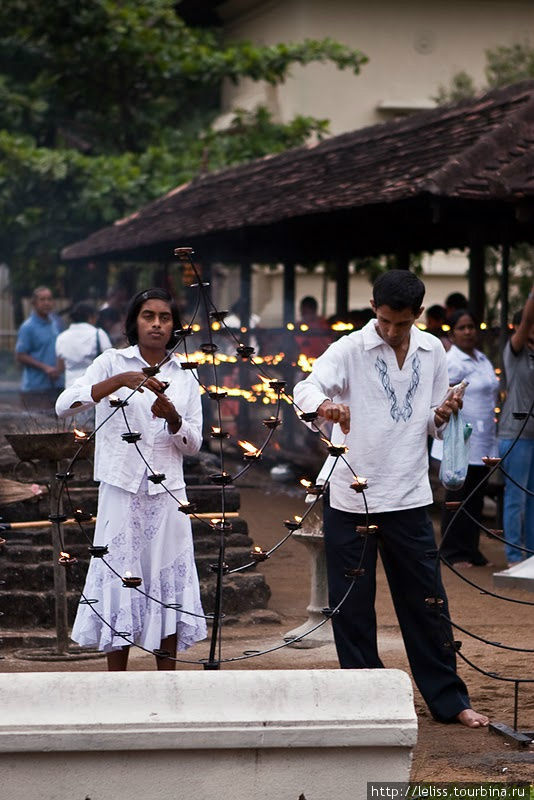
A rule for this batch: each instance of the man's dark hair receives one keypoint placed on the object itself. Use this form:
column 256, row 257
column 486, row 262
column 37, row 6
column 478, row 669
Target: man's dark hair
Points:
column 82, row 311
column 136, row 303
column 436, row 312
column 309, row 302
column 456, row 301
column 399, row 289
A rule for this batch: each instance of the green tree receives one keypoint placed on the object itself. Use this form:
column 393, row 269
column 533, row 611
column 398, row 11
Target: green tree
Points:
column 107, row 104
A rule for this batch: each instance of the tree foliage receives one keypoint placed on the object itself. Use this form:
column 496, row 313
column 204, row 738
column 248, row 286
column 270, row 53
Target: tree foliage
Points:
column 106, row 104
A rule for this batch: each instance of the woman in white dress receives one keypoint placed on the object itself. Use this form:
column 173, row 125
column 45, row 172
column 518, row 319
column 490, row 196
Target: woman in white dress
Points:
column 140, row 522
column 465, row 362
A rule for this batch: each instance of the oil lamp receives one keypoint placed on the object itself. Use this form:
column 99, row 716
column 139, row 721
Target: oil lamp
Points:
column 209, row 348
column 218, row 433
column 65, row 559
column 98, row 550
column 258, row 554
column 250, row 453
column 131, row 582
column 359, row 484
column 364, row 529
column 491, row 461
column 82, row 516
column 293, row 524
column 131, row 437
column 157, row 477
column 221, row 478
column 272, row 422
column 244, row 351
column 189, row 364
column 312, row 488
column 116, row 402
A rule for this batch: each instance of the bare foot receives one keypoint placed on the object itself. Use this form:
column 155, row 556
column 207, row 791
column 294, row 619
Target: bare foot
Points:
column 472, row 719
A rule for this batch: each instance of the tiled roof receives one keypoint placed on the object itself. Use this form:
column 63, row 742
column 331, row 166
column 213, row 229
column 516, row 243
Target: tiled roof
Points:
column 478, row 149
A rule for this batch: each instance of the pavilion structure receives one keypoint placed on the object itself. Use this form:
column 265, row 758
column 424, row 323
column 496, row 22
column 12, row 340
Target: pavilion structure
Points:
column 459, row 176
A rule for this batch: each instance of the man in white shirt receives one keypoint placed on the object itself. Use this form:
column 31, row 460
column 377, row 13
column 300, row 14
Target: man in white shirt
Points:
column 81, row 343
column 385, row 388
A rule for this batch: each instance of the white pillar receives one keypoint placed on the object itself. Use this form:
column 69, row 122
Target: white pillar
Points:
column 313, row 540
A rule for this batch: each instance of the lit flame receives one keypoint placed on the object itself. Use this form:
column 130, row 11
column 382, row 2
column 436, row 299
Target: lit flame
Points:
column 79, row 434
column 342, row 326
column 304, row 327
column 359, row 479
column 257, row 549
column 305, row 483
column 290, row 326
column 243, row 329
column 64, row 555
column 297, row 519
column 110, row 397
column 215, row 326
column 497, row 410
column 196, row 328
column 421, row 326
column 498, row 371
column 248, row 448
column 483, row 326
column 445, row 328
column 215, row 430
column 127, row 574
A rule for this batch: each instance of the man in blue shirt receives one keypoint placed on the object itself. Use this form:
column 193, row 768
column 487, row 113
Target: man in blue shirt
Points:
column 42, row 377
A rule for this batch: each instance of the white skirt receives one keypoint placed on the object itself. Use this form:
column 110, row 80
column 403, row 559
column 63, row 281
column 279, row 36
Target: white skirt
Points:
column 150, row 538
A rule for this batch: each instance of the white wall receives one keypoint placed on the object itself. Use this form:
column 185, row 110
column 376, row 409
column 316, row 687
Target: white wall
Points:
column 413, row 47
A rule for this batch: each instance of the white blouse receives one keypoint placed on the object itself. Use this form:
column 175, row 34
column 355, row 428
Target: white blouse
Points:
column 116, row 461
column 479, row 402
column 392, row 413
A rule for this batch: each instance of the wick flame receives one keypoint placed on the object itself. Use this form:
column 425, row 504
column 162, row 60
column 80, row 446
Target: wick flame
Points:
column 79, row 434
column 257, row 549
column 248, row 448
column 297, row 519
column 306, row 483
column 127, row 574
column 64, row 555
column 215, row 430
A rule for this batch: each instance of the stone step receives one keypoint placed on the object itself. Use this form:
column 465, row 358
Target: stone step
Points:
column 39, row 576
column 23, row 609
column 23, row 552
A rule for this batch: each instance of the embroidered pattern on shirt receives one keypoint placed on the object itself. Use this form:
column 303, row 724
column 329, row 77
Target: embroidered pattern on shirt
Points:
column 405, row 411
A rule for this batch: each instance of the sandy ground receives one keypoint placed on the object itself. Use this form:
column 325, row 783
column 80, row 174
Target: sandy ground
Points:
column 443, row 752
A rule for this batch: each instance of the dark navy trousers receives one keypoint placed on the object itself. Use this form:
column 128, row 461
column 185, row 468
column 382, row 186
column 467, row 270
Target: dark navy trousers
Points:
column 407, row 547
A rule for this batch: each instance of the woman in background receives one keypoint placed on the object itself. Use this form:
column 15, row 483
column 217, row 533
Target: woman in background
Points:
column 460, row 545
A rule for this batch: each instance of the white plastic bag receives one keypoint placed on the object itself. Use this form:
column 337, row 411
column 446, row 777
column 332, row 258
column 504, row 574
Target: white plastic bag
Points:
column 455, row 460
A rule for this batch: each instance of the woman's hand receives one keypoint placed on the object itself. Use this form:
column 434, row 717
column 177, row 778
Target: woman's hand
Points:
column 139, row 381
column 163, row 408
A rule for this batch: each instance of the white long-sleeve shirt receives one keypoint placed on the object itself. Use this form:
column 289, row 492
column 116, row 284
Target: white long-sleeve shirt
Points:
column 116, row 461
column 392, row 413
column 480, row 399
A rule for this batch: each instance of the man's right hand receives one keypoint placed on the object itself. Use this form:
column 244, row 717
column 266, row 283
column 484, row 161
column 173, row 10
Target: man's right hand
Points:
column 336, row 412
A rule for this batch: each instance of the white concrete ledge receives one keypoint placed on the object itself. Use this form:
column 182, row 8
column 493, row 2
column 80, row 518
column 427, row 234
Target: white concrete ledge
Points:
column 91, row 721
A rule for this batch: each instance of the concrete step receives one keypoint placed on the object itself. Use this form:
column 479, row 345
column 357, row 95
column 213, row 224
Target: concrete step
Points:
column 24, row 609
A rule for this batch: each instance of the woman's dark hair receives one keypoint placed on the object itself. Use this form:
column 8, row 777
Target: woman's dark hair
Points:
column 456, row 316
column 399, row 289
column 82, row 311
column 136, row 303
